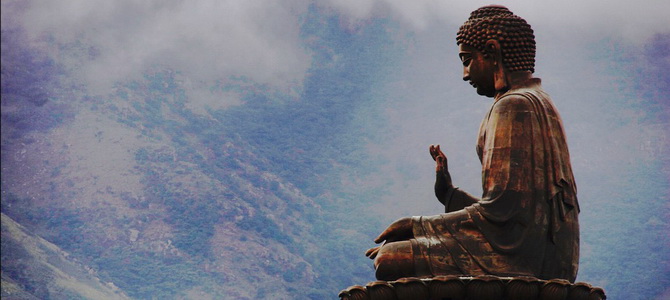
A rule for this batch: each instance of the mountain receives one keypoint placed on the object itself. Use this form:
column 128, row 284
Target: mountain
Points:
column 166, row 203
column 263, row 199
column 33, row 268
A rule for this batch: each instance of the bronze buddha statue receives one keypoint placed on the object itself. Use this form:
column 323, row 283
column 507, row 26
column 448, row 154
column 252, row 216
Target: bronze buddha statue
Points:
column 526, row 222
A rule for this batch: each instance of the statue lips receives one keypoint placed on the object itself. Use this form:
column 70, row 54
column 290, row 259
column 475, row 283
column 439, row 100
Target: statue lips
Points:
column 479, row 92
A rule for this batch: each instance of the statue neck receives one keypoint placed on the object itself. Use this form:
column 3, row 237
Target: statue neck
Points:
column 516, row 80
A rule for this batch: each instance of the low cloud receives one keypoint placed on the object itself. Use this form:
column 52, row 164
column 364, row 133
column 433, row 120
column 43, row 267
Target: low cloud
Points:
column 107, row 41
column 630, row 21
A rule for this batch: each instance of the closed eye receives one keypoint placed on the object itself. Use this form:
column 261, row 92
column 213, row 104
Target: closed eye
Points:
column 465, row 58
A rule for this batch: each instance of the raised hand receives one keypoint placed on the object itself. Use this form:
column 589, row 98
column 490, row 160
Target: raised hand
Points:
column 439, row 158
column 443, row 178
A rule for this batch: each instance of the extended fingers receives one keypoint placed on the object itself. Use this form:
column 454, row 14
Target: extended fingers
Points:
column 401, row 229
column 389, row 234
column 440, row 155
column 383, row 236
column 372, row 252
column 435, row 151
column 438, row 151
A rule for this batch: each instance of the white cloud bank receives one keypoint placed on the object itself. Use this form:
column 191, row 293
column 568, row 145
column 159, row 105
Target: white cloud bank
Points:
column 632, row 21
column 205, row 40
column 260, row 40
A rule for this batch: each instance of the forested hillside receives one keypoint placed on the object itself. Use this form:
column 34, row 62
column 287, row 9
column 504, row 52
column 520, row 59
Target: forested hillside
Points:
column 243, row 202
column 33, row 268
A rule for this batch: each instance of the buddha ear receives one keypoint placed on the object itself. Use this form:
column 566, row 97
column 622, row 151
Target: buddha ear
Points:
column 494, row 51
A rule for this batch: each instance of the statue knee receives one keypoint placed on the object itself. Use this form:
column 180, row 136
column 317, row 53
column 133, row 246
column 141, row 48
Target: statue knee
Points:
column 394, row 260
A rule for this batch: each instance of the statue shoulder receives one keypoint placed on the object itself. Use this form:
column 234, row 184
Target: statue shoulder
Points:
column 513, row 102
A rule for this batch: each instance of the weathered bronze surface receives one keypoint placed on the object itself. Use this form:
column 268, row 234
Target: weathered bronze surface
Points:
column 525, row 223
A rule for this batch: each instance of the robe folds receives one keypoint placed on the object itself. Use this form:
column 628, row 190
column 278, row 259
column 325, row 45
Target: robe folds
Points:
column 525, row 223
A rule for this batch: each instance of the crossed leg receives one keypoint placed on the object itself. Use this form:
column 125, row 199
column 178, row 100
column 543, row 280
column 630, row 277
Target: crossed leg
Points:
column 400, row 259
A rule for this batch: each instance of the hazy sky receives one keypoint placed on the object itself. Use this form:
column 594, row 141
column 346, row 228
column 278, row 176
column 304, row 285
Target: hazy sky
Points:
column 605, row 64
column 261, row 39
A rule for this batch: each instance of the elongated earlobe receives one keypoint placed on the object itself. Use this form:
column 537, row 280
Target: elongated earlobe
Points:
column 499, row 78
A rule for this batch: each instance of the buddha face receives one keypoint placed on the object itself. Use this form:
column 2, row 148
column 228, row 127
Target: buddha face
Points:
column 478, row 70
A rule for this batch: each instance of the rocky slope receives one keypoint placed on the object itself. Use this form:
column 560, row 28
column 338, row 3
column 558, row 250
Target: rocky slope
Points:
column 33, row 268
column 167, row 201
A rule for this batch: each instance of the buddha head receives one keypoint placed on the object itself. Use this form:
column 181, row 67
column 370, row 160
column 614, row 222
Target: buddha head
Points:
column 494, row 42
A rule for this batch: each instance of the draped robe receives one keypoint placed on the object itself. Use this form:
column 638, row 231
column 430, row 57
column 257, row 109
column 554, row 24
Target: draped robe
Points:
column 526, row 222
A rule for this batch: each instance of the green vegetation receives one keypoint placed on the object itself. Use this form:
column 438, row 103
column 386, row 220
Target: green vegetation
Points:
column 261, row 168
column 149, row 276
